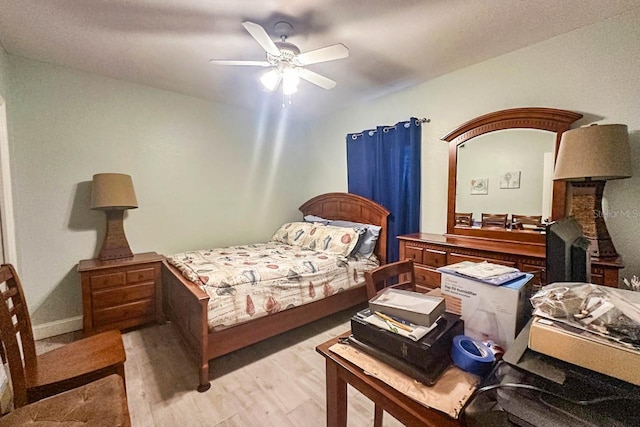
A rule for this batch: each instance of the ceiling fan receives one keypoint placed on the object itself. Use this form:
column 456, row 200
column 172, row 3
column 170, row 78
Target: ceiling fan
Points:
column 286, row 62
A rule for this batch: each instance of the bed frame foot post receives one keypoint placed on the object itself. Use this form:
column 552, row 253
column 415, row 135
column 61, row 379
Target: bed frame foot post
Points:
column 204, row 378
column 204, row 387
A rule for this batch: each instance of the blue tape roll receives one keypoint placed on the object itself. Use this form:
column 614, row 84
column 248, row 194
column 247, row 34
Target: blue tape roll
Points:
column 471, row 356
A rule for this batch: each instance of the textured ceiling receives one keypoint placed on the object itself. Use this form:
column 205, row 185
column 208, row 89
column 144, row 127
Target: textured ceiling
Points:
column 394, row 44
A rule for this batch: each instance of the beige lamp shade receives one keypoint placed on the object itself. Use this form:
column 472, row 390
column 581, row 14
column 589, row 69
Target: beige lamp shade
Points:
column 113, row 191
column 597, row 152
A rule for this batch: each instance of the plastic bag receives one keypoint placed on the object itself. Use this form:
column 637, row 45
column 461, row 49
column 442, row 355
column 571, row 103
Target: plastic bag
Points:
column 611, row 312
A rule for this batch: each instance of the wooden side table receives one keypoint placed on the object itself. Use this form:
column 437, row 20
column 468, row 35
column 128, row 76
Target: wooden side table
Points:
column 340, row 372
column 120, row 294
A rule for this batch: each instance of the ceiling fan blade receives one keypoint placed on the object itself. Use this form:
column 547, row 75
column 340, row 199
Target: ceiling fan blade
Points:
column 324, row 54
column 249, row 63
column 261, row 36
column 316, row 79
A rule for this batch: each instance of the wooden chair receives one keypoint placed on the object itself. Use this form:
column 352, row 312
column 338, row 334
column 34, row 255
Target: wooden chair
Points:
column 102, row 403
column 494, row 220
column 464, row 219
column 397, row 275
column 519, row 221
column 59, row 370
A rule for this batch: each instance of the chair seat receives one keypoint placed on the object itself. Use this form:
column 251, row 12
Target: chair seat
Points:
column 76, row 364
column 100, row 403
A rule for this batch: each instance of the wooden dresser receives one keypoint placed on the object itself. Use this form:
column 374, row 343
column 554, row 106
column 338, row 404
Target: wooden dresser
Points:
column 430, row 251
column 119, row 294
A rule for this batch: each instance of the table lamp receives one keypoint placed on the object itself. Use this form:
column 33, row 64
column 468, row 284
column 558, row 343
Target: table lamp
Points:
column 113, row 193
column 588, row 157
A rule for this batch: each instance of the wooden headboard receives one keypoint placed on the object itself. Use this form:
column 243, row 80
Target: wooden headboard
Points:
column 350, row 207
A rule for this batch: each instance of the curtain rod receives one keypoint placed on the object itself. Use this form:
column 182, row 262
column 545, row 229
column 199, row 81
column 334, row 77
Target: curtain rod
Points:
column 388, row 128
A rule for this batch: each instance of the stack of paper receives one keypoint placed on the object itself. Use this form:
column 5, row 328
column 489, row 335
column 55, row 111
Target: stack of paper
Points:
column 486, row 272
column 413, row 307
column 412, row 331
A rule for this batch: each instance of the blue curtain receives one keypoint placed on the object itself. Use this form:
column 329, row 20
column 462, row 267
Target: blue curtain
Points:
column 383, row 165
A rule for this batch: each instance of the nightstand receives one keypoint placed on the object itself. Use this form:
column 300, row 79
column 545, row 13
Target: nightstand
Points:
column 121, row 293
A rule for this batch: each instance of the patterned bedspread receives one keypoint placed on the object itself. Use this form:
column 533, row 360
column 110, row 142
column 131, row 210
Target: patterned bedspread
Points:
column 246, row 282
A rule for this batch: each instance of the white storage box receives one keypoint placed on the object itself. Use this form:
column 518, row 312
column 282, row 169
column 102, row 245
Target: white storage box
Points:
column 417, row 308
column 489, row 312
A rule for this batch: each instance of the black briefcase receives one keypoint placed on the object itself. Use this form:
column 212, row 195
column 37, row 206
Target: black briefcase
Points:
column 426, row 354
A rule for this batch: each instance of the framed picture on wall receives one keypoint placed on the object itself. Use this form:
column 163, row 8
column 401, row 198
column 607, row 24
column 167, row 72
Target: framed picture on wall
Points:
column 480, row 186
column 510, row 180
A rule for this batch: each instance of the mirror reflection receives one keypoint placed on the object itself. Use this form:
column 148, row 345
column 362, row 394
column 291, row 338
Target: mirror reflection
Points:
column 505, row 172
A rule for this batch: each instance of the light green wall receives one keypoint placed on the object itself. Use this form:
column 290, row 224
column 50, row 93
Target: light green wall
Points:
column 204, row 174
column 4, row 71
column 593, row 70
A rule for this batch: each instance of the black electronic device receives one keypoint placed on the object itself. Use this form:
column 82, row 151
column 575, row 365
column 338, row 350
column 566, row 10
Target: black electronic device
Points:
column 426, row 353
column 567, row 252
column 428, row 378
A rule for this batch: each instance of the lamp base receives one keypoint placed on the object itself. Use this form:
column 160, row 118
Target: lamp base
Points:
column 586, row 207
column 115, row 245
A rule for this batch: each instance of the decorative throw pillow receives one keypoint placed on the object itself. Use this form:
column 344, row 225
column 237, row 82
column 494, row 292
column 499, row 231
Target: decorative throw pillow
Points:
column 293, row 233
column 334, row 240
column 367, row 243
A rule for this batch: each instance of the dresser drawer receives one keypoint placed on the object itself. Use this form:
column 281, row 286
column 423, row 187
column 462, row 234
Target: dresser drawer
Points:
column 413, row 253
column 107, row 280
column 118, row 296
column 145, row 308
column 434, row 258
column 141, row 275
column 426, row 277
column 455, row 258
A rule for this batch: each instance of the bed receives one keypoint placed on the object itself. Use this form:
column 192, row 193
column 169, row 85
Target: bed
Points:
column 186, row 304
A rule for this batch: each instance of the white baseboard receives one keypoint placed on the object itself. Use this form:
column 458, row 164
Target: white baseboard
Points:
column 58, row 327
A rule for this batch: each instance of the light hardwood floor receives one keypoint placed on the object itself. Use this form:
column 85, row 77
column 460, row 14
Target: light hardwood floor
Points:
column 278, row 382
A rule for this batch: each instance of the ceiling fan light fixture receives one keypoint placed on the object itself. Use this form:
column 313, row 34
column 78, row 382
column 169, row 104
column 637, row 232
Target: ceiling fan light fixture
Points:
column 286, row 61
column 271, row 79
column 290, row 81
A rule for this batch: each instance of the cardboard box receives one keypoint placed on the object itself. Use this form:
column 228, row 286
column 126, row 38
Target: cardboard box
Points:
column 496, row 313
column 584, row 349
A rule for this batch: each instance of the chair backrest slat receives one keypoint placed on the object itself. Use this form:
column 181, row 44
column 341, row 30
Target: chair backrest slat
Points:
column 5, row 275
column 15, row 310
column 9, row 293
column 398, row 275
column 494, row 220
column 16, row 335
column 465, row 218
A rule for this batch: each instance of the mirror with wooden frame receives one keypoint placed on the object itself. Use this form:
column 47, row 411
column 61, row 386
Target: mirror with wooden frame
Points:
column 487, row 156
